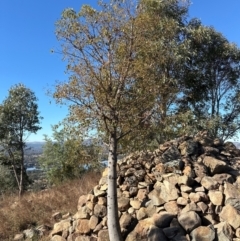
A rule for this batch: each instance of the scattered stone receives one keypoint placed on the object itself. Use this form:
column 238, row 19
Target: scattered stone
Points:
column 203, row 234
column 136, row 204
column 19, row 237
column 93, row 222
column 83, row 226
column 231, row 216
column 57, row 238
column 156, row 234
column 154, row 195
column 103, row 235
column 223, row 231
column 123, row 204
column 141, row 214
column 60, row 227
column 182, row 201
column 172, row 207
column 209, row 183
column 125, row 220
column 100, row 210
column 189, row 220
column 216, row 197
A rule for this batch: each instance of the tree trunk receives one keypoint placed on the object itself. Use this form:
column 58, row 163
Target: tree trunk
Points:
column 18, row 179
column 20, row 192
column 21, row 172
column 15, row 174
column 112, row 205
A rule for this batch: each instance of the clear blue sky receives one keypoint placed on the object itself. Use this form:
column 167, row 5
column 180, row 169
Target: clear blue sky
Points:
column 27, row 36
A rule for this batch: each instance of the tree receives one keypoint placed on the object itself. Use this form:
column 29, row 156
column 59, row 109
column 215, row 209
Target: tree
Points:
column 19, row 117
column 107, row 90
column 161, row 56
column 65, row 156
column 127, row 64
column 165, row 28
column 212, row 67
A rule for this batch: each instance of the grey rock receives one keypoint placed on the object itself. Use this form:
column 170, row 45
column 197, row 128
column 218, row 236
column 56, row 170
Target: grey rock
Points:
column 171, row 232
column 154, row 195
column 224, row 231
column 171, row 154
column 156, row 234
column 189, row 220
column 189, row 147
column 200, row 170
column 209, row 183
column 169, row 192
column 215, row 166
column 232, row 195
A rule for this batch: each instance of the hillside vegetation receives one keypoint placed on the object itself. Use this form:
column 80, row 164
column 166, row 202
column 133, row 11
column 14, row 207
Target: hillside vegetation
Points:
column 139, row 73
column 37, row 208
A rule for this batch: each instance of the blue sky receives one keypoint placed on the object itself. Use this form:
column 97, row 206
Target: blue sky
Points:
column 27, row 36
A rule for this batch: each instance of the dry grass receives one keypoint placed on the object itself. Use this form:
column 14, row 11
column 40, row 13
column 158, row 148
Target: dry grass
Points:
column 36, row 208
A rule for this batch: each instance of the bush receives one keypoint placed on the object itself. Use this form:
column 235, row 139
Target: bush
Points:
column 7, row 180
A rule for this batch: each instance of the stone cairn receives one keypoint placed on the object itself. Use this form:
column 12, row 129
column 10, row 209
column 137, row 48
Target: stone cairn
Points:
column 187, row 189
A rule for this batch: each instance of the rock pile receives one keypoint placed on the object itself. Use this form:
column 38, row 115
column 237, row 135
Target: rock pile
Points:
column 187, row 189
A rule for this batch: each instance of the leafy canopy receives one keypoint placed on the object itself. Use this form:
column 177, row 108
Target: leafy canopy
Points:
column 66, row 155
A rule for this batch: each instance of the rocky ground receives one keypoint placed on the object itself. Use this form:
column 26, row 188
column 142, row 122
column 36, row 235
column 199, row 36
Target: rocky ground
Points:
column 187, row 189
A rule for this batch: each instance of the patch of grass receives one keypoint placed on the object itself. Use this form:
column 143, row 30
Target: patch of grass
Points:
column 37, row 208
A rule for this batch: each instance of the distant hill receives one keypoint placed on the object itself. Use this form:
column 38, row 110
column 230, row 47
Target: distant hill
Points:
column 37, row 146
column 33, row 147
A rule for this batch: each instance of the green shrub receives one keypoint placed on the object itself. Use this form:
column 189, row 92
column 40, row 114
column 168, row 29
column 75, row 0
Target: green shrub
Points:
column 7, row 180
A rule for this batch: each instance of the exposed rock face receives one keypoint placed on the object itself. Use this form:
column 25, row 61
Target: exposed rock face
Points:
column 187, row 189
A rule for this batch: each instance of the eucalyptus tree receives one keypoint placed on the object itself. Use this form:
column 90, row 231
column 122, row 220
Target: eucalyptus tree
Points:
column 211, row 80
column 164, row 50
column 107, row 92
column 19, row 117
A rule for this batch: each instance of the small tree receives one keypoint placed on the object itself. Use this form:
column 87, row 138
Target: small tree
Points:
column 65, row 155
column 107, row 90
column 19, row 117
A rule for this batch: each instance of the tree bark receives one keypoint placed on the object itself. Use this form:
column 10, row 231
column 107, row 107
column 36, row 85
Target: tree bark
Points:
column 112, row 207
column 21, row 182
column 21, row 171
column 18, row 180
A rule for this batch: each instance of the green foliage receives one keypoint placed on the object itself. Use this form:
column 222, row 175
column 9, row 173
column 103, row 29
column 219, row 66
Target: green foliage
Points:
column 211, row 80
column 196, row 72
column 19, row 113
column 19, row 117
column 7, row 181
column 65, row 156
column 162, row 52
